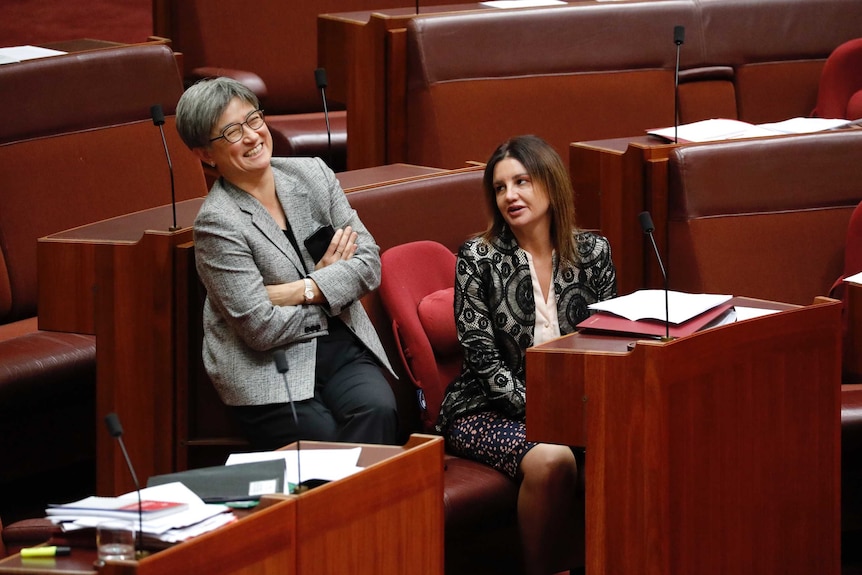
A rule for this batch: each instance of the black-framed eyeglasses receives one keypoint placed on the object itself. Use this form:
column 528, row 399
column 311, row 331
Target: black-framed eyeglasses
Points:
column 233, row 132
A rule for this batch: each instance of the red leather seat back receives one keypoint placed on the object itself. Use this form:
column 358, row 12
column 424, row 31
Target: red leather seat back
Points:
column 840, row 91
column 411, row 273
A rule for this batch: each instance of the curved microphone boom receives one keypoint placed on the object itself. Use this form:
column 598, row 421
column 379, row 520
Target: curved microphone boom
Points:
column 320, row 79
column 112, row 422
column 678, row 39
column 159, row 120
column 280, row 358
column 648, row 228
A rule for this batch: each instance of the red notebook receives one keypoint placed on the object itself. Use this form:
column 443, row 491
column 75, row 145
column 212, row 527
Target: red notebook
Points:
column 607, row 322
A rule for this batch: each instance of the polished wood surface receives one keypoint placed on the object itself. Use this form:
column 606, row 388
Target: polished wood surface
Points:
column 714, row 453
column 374, row 522
column 353, row 180
column 385, row 520
column 67, row 261
column 615, row 180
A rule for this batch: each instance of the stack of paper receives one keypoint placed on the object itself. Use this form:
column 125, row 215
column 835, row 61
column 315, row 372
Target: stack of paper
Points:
column 643, row 313
column 723, row 129
column 180, row 514
column 321, row 464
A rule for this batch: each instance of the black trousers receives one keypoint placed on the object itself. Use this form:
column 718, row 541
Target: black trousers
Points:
column 352, row 401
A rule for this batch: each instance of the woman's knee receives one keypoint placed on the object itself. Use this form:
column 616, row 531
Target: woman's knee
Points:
column 550, row 464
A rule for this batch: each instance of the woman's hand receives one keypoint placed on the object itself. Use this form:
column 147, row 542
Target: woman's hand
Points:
column 341, row 247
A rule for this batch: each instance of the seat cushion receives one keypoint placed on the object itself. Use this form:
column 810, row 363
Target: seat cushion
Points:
column 475, row 494
column 437, row 316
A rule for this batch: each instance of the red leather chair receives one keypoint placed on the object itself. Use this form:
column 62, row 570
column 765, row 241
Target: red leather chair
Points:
column 417, row 289
column 839, row 94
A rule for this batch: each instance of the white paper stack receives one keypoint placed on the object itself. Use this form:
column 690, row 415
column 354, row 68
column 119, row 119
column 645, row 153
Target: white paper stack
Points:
column 192, row 517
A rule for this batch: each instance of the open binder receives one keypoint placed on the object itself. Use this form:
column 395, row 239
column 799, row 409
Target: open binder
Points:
column 642, row 313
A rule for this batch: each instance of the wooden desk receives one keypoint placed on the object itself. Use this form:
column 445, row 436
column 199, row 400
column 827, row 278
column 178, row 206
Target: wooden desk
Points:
column 374, row 522
column 714, row 453
column 116, row 279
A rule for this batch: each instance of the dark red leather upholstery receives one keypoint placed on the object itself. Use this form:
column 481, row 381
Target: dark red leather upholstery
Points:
column 840, row 92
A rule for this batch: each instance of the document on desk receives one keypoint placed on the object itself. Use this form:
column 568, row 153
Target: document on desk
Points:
column 650, row 304
column 717, row 129
column 328, row 464
column 522, row 3
column 192, row 518
column 14, row 54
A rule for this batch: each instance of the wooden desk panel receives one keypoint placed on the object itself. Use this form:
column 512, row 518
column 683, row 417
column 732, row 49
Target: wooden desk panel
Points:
column 690, row 444
column 615, row 180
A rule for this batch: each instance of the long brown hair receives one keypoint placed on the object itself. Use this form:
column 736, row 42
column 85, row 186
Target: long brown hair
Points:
column 544, row 166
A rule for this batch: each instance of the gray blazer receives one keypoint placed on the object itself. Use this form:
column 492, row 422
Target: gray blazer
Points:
column 240, row 249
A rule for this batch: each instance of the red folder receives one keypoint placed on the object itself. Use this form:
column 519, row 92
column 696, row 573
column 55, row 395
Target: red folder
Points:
column 607, row 322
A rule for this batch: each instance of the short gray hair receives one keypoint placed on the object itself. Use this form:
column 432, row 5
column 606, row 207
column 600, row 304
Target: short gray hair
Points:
column 203, row 103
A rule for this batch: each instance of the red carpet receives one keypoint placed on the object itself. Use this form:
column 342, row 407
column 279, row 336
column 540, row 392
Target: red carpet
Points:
column 41, row 21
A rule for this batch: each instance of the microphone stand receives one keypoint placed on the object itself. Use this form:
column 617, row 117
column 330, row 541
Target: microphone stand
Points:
column 648, row 227
column 281, row 365
column 159, row 120
column 320, row 78
column 112, row 421
column 678, row 39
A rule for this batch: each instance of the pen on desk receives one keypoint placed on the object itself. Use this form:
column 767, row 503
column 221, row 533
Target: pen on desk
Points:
column 46, row 551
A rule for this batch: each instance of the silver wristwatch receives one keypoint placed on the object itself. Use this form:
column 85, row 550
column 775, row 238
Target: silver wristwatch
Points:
column 309, row 292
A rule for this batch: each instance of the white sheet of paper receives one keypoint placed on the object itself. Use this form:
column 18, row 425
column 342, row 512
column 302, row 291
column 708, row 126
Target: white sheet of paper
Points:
column 856, row 278
column 522, row 3
column 650, row 304
column 21, row 53
column 329, row 464
column 196, row 513
column 752, row 312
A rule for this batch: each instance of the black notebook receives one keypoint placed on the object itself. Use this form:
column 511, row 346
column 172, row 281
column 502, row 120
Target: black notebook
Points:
column 223, row 483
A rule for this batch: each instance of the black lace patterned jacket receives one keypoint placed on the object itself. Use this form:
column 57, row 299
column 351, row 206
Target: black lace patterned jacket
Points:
column 495, row 314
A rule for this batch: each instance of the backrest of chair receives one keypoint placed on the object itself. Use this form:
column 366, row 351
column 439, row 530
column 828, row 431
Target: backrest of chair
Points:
column 416, row 288
column 769, row 44
column 764, row 218
column 564, row 74
column 446, row 208
column 841, row 83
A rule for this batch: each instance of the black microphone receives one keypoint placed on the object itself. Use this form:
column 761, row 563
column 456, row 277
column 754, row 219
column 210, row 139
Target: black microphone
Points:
column 159, row 120
column 678, row 39
column 648, row 228
column 320, row 79
column 116, row 430
column 280, row 358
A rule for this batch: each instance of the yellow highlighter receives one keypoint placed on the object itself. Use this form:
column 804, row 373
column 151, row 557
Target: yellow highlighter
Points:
column 45, row 551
